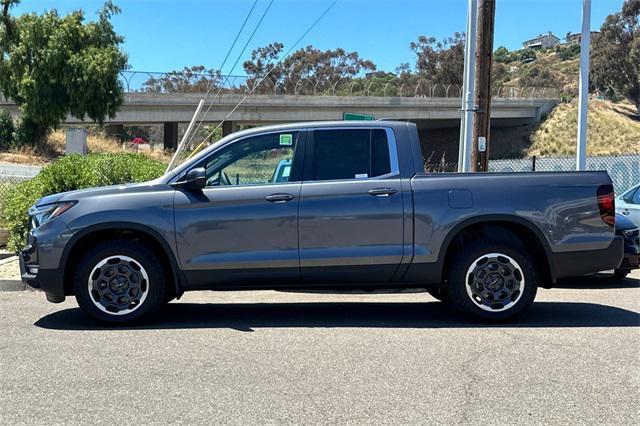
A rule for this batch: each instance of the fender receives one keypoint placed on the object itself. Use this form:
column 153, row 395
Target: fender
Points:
column 497, row 218
column 178, row 278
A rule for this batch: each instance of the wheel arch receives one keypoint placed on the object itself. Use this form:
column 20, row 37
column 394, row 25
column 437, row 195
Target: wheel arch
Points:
column 114, row 230
column 522, row 229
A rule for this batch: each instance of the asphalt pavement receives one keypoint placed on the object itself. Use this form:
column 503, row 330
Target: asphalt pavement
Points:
column 272, row 358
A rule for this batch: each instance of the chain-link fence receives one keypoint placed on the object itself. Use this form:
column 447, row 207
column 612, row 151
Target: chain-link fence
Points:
column 11, row 175
column 623, row 169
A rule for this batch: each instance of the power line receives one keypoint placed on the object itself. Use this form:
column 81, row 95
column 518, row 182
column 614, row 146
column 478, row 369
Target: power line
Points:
column 263, row 78
column 210, row 86
column 244, row 48
column 233, row 44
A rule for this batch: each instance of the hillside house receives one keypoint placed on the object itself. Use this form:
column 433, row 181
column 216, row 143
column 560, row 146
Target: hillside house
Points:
column 543, row 41
column 576, row 38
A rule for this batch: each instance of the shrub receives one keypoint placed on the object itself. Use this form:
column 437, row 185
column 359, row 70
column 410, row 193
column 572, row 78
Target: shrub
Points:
column 7, row 130
column 67, row 174
column 567, row 52
column 528, row 55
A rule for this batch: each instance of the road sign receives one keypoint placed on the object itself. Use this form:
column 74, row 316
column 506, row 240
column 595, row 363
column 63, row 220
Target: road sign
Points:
column 355, row 116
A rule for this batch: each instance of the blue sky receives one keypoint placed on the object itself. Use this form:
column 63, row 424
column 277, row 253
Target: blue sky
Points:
column 162, row 35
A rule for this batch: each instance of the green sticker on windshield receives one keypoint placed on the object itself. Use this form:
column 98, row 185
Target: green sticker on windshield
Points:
column 286, row 139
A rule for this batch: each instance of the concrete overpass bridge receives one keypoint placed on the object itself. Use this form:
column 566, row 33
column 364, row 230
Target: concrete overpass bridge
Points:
column 172, row 109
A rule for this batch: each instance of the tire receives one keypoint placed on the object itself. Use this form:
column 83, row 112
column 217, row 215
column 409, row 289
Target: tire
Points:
column 620, row 274
column 493, row 279
column 440, row 293
column 120, row 282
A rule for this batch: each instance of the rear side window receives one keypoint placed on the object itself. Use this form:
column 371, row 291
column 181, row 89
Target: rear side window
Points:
column 350, row 154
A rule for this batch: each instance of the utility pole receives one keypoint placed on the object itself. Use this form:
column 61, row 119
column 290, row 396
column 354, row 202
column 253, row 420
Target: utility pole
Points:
column 484, row 60
column 468, row 89
column 583, row 99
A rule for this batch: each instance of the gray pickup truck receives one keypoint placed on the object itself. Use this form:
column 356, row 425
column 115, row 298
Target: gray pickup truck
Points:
column 338, row 206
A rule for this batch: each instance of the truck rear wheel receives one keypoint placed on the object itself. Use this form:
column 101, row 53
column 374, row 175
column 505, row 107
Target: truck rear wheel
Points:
column 494, row 279
column 120, row 281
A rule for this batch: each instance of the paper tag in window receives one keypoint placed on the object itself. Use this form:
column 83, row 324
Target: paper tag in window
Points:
column 286, row 139
column 362, row 176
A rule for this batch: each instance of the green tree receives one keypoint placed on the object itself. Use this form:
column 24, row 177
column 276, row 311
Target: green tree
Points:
column 263, row 62
column 6, row 130
column 53, row 66
column 441, row 62
column 616, row 55
column 197, row 79
column 501, row 54
column 306, row 64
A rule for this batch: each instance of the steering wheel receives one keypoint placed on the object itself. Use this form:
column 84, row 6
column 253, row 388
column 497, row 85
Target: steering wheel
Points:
column 224, row 179
column 220, row 179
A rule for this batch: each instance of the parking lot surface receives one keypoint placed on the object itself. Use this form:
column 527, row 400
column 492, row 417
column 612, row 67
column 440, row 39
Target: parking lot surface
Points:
column 271, row 357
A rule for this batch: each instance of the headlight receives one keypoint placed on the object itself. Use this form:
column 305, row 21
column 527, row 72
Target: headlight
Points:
column 43, row 214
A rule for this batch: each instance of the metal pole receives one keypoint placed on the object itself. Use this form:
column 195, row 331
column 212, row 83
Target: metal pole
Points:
column 469, row 87
column 186, row 134
column 464, row 88
column 583, row 101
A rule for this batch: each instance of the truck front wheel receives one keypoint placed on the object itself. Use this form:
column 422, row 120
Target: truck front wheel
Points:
column 495, row 280
column 120, row 281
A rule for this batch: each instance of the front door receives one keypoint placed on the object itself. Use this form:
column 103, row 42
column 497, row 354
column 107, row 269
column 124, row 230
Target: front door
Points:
column 351, row 209
column 242, row 229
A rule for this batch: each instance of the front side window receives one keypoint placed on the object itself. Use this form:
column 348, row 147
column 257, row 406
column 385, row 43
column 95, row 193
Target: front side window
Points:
column 636, row 197
column 258, row 160
column 631, row 195
column 350, row 154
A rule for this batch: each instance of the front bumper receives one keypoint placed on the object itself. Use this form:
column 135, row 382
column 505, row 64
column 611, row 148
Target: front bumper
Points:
column 631, row 259
column 40, row 261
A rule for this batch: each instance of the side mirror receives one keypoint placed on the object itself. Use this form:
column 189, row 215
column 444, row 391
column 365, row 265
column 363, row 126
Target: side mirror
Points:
column 195, row 180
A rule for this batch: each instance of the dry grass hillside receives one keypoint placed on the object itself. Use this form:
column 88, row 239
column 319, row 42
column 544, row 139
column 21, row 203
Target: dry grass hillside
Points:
column 613, row 129
column 558, row 69
column 54, row 147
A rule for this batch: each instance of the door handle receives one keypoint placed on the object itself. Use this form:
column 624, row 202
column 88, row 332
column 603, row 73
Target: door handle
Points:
column 625, row 212
column 279, row 198
column 382, row 192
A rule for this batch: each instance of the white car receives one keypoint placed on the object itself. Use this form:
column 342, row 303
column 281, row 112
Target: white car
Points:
column 628, row 204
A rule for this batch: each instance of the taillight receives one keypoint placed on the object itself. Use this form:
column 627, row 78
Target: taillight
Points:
column 607, row 204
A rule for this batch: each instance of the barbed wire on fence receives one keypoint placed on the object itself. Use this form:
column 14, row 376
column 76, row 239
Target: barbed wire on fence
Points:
column 416, row 86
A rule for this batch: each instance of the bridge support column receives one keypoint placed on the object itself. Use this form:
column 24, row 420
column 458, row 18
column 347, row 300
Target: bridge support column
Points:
column 228, row 127
column 170, row 135
column 115, row 130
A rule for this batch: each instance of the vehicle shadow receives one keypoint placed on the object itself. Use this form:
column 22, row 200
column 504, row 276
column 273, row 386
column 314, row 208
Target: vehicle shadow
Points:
column 250, row 316
column 597, row 281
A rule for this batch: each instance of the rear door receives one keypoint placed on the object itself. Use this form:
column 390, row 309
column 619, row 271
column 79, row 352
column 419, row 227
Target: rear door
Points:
column 351, row 209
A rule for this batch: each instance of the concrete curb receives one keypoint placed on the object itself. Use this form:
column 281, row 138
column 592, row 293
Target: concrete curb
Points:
column 13, row 285
column 8, row 260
